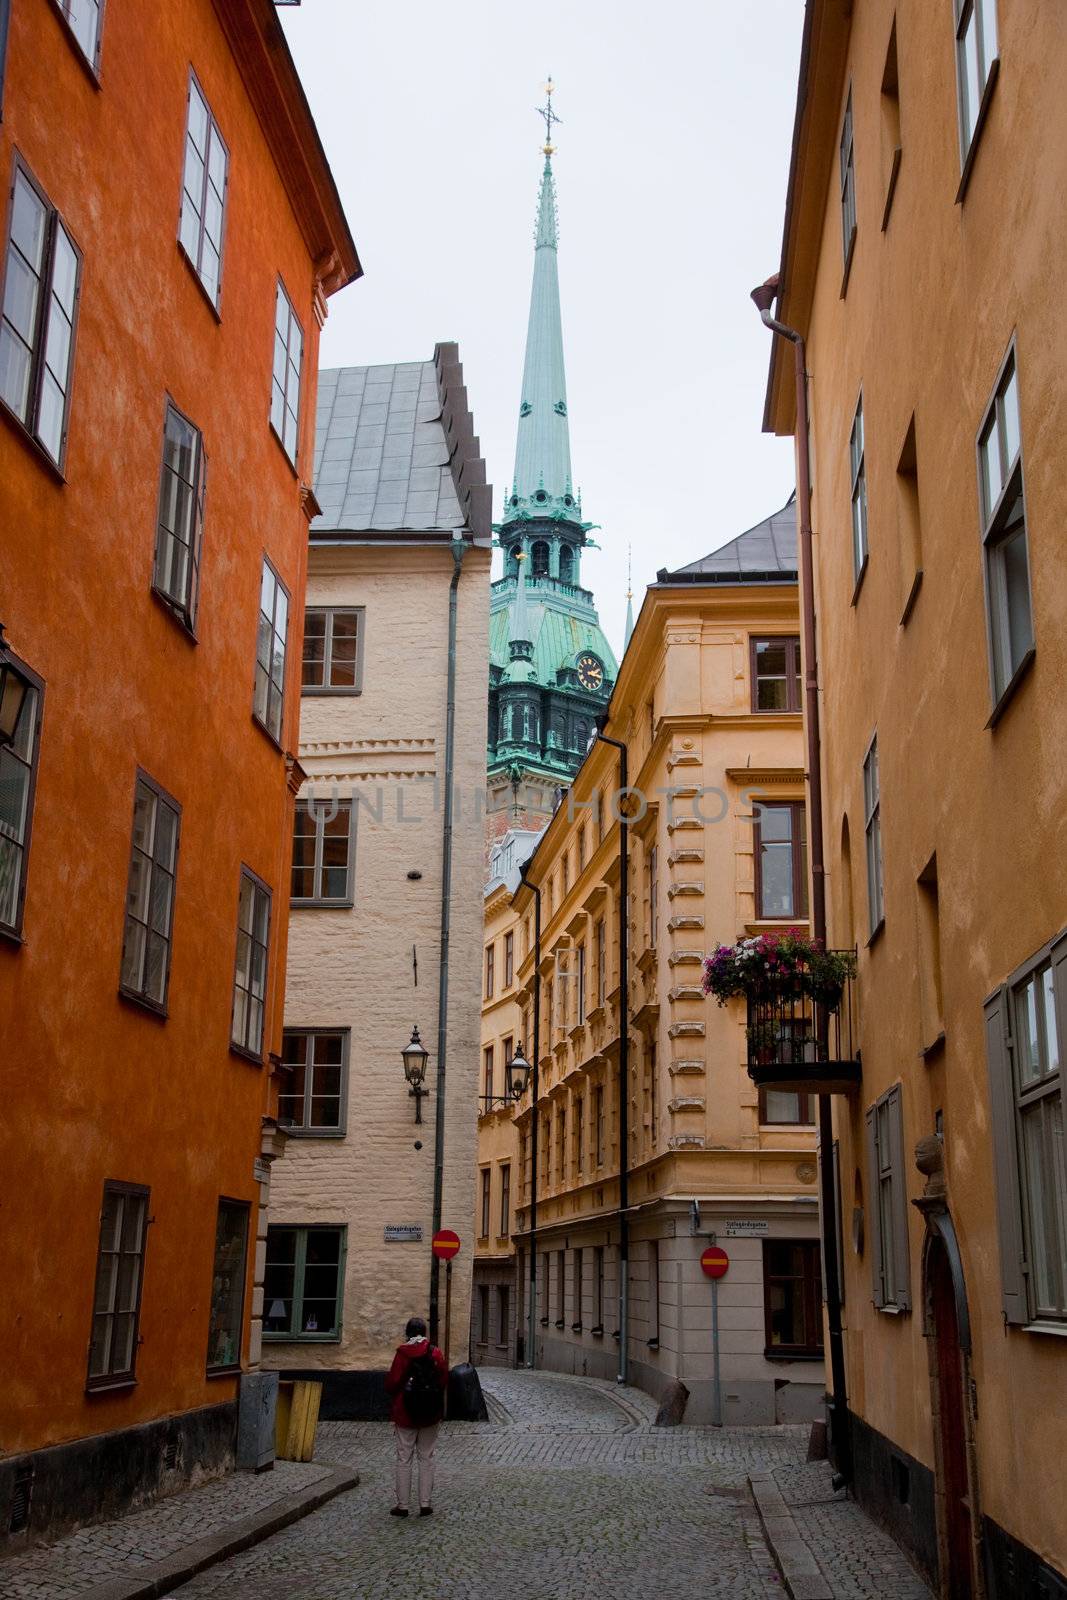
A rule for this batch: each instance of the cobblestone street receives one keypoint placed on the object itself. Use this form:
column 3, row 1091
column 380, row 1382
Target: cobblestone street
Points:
column 568, row 1493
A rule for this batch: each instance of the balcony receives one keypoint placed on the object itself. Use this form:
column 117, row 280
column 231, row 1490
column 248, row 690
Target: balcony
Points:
column 802, row 1042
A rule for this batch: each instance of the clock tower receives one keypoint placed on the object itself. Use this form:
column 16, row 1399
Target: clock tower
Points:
column 551, row 669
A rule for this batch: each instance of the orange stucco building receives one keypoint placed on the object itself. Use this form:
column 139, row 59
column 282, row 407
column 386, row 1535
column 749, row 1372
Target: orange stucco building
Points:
column 924, row 225
column 170, row 234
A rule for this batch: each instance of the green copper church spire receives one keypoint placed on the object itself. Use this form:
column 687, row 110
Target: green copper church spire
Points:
column 542, row 481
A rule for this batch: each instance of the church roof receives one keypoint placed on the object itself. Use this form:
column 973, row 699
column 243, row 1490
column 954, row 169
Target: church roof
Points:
column 766, row 553
column 557, row 636
column 381, row 453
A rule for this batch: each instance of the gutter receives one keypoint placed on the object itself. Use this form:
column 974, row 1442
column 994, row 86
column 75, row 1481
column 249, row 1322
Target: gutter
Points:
column 840, row 1424
column 535, row 1120
column 459, row 550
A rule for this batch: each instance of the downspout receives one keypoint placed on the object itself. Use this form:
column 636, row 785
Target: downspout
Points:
column 624, row 1056
column 459, row 550
column 840, row 1422
column 535, row 1118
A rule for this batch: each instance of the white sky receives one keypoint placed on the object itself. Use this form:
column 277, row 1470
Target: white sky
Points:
column 673, row 153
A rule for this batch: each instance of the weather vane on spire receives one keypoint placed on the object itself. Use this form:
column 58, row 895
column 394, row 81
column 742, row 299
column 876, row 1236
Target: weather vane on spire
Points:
column 550, row 117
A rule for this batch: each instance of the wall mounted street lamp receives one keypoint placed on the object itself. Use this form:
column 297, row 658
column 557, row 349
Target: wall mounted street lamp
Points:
column 517, row 1072
column 14, row 687
column 415, row 1056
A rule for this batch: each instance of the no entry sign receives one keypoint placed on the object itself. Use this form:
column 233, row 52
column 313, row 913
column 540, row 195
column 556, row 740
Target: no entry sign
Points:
column 445, row 1244
column 715, row 1261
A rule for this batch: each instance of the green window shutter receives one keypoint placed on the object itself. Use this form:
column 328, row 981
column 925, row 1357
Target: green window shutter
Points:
column 901, row 1252
column 873, row 1209
column 1006, row 1159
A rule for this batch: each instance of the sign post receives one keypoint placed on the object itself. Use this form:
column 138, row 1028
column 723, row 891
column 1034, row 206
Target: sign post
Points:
column 445, row 1246
column 714, row 1263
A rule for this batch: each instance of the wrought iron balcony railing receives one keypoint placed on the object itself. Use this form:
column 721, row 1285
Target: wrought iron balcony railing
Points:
column 801, row 1041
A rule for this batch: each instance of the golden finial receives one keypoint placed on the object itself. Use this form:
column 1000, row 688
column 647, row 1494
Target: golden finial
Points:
column 550, row 117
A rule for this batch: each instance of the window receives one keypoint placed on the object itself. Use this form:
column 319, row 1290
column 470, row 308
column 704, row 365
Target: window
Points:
column 776, row 674
column 781, row 861
column 581, row 848
column 653, row 894
column 333, row 651
column 848, row 186
column 872, row 812
column 490, row 970
column 598, row 1282
column 483, row 1313
column 250, row 970
column 890, row 106
column 146, row 941
column 887, row 1202
column 859, row 495
column 39, row 316
column 1007, row 564
column 909, row 522
column 487, row 1180
column 653, row 1091
column 18, row 780
column 285, row 379
column 487, row 1060
column 5, row 18
column 550, row 1009
column 503, row 1314
column 509, row 960
column 324, row 854
column 976, row 51
column 507, row 1050
column 601, row 963
column 561, row 1288
column 303, row 1283
column 228, row 1287
column 931, row 1007
column 180, row 523
column 792, row 1297
column 505, row 1199
column 1026, row 1030
column 546, row 1150
column 783, row 1106
column 313, row 1100
column 579, row 1135
column 579, row 1285
column 83, row 18
column 598, row 1123
column 653, row 1292
column 203, row 213
column 117, row 1295
column 561, row 1146
column 524, row 1166
column 268, row 695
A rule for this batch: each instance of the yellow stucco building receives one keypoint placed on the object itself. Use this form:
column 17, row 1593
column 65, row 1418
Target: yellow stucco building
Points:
column 924, row 229
column 707, row 704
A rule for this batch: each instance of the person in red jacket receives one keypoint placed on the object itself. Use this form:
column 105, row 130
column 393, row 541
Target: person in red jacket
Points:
column 417, row 1381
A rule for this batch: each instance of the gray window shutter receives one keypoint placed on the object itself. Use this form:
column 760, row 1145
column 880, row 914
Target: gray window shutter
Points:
column 901, row 1253
column 872, row 1210
column 1059, row 987
column 1005, row 1159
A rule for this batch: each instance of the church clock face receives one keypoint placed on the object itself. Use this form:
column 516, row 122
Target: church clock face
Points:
column 590, row 671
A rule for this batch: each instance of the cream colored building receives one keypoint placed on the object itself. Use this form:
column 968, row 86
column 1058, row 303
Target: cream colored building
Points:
column 707, row 704
column 404, row 530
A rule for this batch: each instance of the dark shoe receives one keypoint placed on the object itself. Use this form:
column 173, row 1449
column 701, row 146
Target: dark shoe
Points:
column 426, row 1511
column 398, row 1511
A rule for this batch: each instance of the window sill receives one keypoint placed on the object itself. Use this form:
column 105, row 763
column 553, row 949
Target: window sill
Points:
column 913, row 595
column 1012, row 685
column 597, row 1332
column 179, row 619
column 544, row 1322
column 222, row 1372
column 246, row 1055
column 849, row 255
column 891, row 187
column 321, row 905
column 893, row 1310
column 290, row 463
column 12, row 936
column 301, row 1338
column 311, row 1133
column 576, row 1327
column 934, row 1048
column 653, row 1344
column 777, row 1127
column 776, row 1353
column 198, row 280
column 140, row 1003
column 561, row 1323
column 270, row 737
column 875, row 934
column 861, row 574
column 979, row 126
column 34, row 445
column 323, row 690
column 1058, row 1330
column 109, row 1385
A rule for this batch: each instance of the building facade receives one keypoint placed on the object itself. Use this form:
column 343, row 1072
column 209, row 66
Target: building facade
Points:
column 925, row 206
column 551, row 668
column 395, row 653
column 153, row 607
column 707, row 706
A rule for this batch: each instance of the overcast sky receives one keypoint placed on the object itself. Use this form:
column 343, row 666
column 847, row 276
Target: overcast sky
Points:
column 673, row 152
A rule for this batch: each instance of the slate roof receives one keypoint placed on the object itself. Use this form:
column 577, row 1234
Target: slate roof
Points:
column 381, row 456
column 767, row 553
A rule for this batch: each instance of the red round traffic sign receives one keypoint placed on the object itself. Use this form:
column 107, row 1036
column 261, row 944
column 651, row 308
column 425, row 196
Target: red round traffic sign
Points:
column 715, row 1261
column 445, row 1244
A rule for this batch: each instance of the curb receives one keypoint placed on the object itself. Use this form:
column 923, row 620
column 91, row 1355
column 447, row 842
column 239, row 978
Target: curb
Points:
column 160, row 1577
column 801, row 1573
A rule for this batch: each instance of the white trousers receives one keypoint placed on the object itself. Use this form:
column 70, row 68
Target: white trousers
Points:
column 409, row 1443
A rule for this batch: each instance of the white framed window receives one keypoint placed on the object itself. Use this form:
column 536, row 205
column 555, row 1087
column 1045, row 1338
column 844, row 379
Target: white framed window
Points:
column 146, row 943
column 976, row 51
column 204, row 178
column 872, row 822
column 83, row 18
column 268, row 694
column 858, row 463
column 887, row 1202
column 18, row 782
column 1004, row 539
column 180, row 520
column 250, row 967
column 847, row 173
column 285, row 378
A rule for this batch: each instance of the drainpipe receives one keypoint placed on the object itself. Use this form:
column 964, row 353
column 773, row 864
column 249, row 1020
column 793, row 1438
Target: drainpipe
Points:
column 459, row 550
column 840, row 1423
column 624, row 1056
column 535, row 1118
